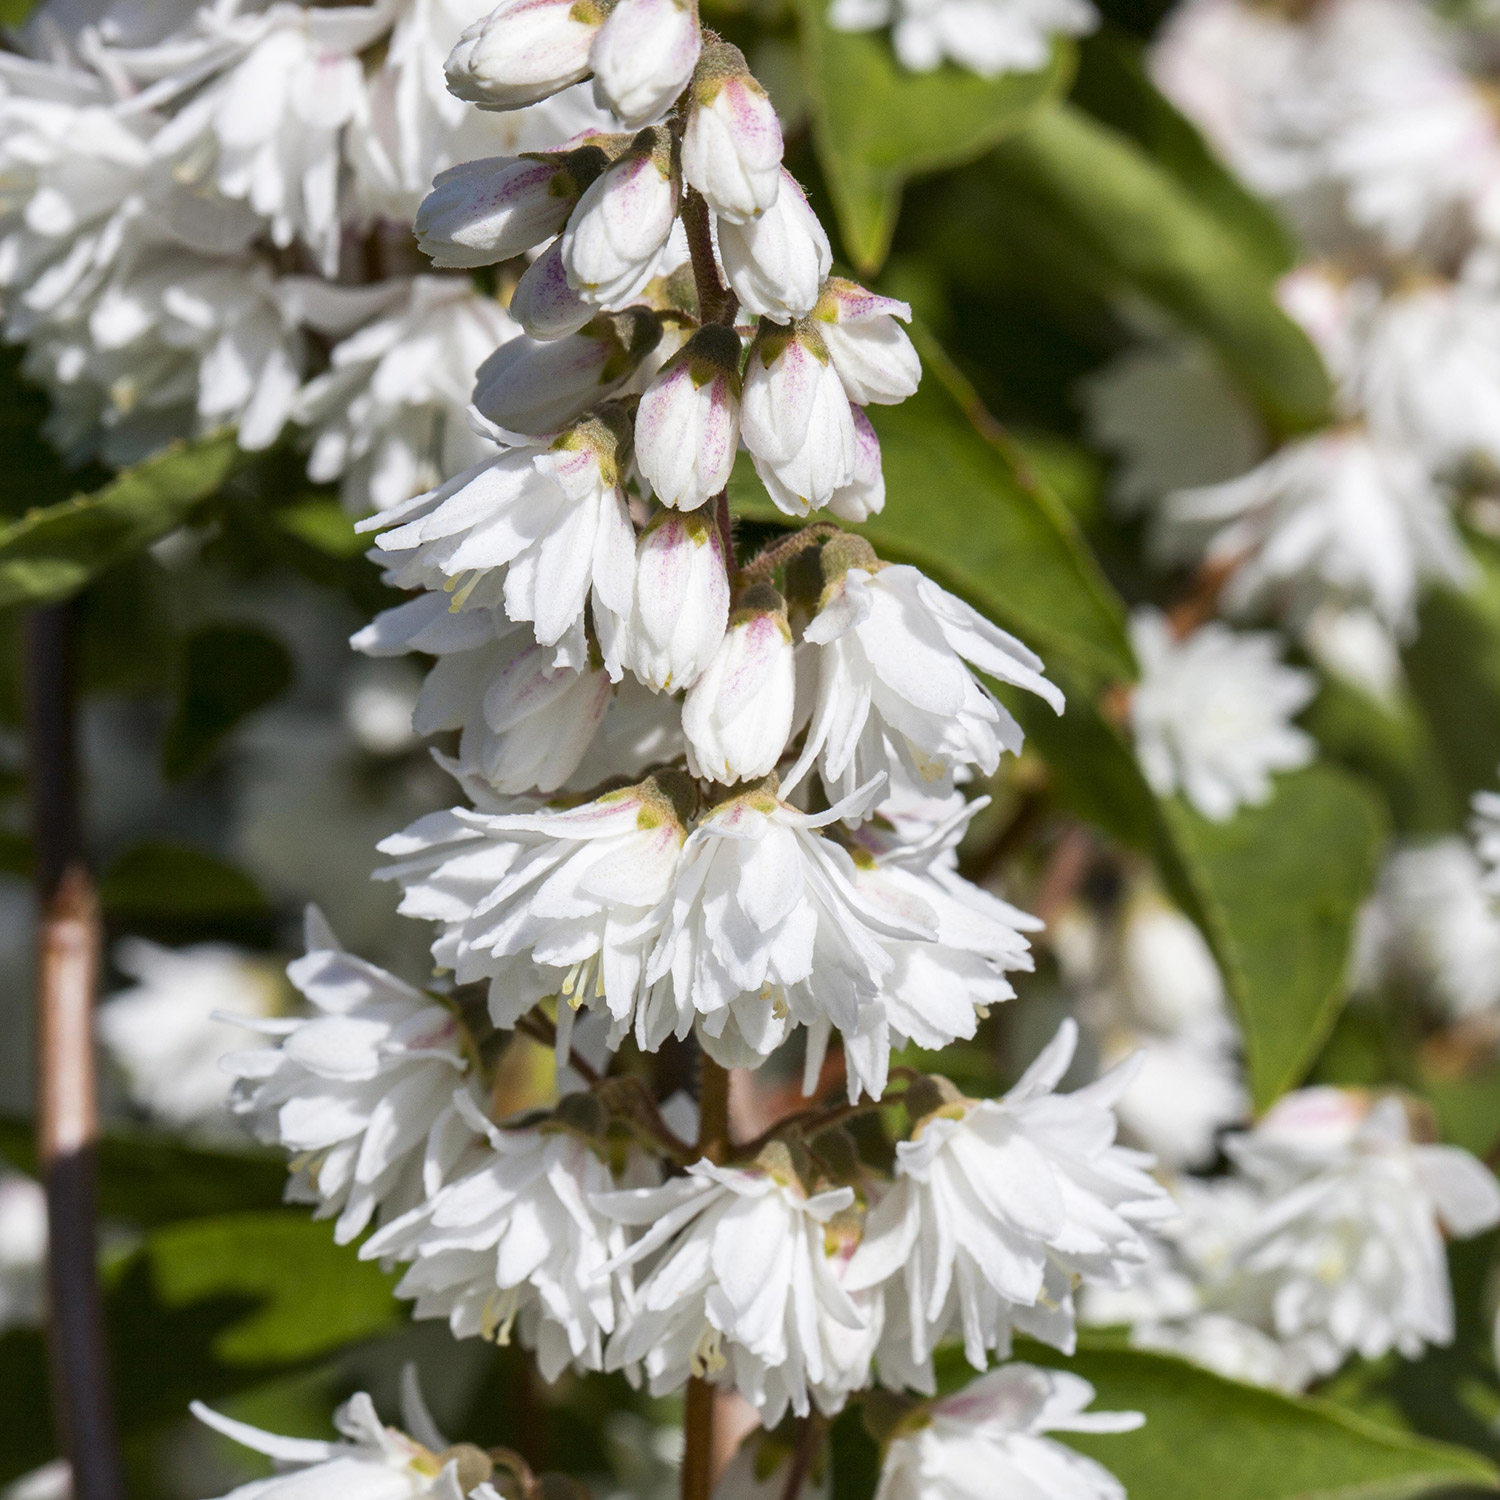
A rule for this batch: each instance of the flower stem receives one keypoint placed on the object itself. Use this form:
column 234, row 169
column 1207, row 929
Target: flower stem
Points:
column 67, row 1115
column 716, row 303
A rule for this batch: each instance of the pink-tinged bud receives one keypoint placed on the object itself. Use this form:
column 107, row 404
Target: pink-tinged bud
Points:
column 481, row 212
column 874, row 357
column 864, row 495
column 530, row 387
column 681, row 601
column 687, row 428
column 544, row 304
column 732, row 149
column 738, row 715
column 614, row 239
column 776, row 263
column 523, row 51
column 796, row 420
column 644, row 56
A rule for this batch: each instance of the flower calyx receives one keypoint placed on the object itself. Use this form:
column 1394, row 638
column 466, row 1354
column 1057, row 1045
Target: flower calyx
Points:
column 933, row 1097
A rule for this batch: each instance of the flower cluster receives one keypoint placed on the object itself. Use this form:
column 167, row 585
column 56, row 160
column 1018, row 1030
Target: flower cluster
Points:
column 1327, row 1241
column 207, row 223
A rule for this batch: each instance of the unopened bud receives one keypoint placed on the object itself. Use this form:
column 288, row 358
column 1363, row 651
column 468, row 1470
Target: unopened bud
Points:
column 644, row 56
column 523, row 51
column 874, row 357
column 776, row 263
column 544, row 304
column 732, row 149
column 681, row 601
column 687, row 428
column 864, row 495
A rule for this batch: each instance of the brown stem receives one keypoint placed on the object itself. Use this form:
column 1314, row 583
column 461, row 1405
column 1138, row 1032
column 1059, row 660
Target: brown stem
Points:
column 698, row 1411
column 768, row 559
column 716, row 303
column 1066, row 867
column 809, row 1431
column 540, row 1029
column 67, row 1114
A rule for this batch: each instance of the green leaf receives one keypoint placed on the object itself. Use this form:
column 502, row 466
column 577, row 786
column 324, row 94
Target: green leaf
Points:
column 171, row 880
column 53, row 552
column 1280, row 886
column 322, row 523
column 1206, row 1438
column 1104, row 195
column 227, row 673
column 35, row 475
column 1113, row 86
column 875, row 124
column 963, row 504
column 148, row 1179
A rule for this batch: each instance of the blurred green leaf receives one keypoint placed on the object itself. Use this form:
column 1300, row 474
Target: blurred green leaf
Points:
column 322, row 523
column 963, row 504
column 227, row 673
column 35, row 474
column 149, row 1179
column 172, row 880
column 1128, row 214
column 1211, row 1439
column 1280, row 886
column 876, row 124
column 52, row 552
column 1114, row 87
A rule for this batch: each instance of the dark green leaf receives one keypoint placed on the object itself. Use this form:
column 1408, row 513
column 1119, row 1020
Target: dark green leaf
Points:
column 153, row 881
column 34, row 474
column 876, row 124
column 148, row 1179
column 963, row 504
column 1212, row 1439
column 1280, row 886
column 322, row 523
column 53, row 552
column 1113, row 86
column 227, row 673
column 1134, row 219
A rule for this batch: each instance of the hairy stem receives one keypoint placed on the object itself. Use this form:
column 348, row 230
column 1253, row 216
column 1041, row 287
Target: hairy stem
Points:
column 67, row 1115
column 768, row 559
column 716, row 303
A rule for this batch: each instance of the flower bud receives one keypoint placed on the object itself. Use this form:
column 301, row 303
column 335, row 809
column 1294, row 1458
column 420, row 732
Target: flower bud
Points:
column 524, row 50
column 688, row 425
column 544, row 304
column 738, row 716
column 796, row 420
column 615, row 236
column 776, row 263
column 732, row 149
column 681, row 601
column 530, row 387
column 874, row 357
column 644, row 56
column 864, row 495
column 481, row 212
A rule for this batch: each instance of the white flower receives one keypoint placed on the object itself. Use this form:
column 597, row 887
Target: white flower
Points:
column 1150, row 986
column 644, row 56
column 1433, row 923
column 516, row 1239
column 1335, row 516
column 796, row 419
column 687, row 426
column 999, row 1207
column 544, row 304
column 361, row 1092
column 616, row 234
column 1212, row 713
column 745, row 1286
column 1349, row 1244
column 373, row 1462
column 776, row 263
column 388, row 416
column 523, row 51
column 681, row 601
column 892, row 659
column 1485, row 826
column 555, row 520
column 531, row 387
column 480, row 212
column 738, row 715
column 989, row 37
column 864, row 495
column 555, row 902
column 23, row 1252
column 874, row 357
column 732, row 147
column 164, row 1034
column 990, row 1439
column 770, row 925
